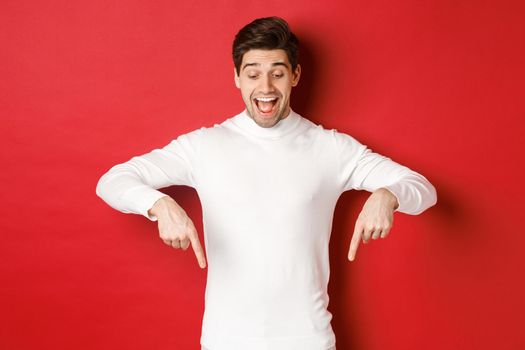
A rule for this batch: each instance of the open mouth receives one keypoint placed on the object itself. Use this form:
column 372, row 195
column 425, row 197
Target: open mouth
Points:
column 266, row 106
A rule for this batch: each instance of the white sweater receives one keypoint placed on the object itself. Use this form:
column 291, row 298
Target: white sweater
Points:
column 268, row 197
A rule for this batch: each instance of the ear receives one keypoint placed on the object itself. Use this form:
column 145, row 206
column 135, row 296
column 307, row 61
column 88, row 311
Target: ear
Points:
column 236, row 78
column 296, row 75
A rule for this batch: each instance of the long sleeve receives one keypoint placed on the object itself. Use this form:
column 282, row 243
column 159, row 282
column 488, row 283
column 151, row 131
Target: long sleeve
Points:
column 131, row 187
column 362, row 169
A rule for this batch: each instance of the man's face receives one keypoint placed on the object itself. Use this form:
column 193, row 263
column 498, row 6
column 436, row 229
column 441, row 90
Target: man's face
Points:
column 266, row 80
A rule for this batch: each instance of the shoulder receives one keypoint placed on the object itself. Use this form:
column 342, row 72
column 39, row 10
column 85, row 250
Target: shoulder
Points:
column 331, row 135
column 206, row 131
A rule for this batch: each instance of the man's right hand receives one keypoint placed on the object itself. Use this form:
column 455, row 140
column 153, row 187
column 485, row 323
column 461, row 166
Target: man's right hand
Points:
column 175, row 227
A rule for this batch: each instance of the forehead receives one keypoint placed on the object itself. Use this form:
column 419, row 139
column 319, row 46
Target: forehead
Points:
column 265, row 57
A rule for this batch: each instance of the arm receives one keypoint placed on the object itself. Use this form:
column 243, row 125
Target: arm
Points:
column 362, row 169
column 132, row 186
column 394, row 187
column 414, row 193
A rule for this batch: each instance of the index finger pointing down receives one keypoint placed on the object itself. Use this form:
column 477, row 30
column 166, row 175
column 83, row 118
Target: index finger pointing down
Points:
column 356, row 239
column 197, row 248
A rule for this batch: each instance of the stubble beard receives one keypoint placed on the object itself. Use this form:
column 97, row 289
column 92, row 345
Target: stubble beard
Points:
column 266, row 123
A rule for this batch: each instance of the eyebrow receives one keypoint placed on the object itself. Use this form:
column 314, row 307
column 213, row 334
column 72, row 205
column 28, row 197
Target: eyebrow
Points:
column 258, row 64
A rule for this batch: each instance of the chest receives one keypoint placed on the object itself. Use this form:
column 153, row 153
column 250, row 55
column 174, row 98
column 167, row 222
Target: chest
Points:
column 292, row 172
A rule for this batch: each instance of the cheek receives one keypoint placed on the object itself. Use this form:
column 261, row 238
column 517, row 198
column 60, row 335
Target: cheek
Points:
column 285, row 91
column 244, row 91
column 246, row 95
column 285, row 86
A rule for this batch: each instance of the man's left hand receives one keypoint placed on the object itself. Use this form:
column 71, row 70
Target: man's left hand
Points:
column 375, row 220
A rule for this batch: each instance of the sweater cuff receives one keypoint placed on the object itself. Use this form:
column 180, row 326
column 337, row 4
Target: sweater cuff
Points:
column 141, row 199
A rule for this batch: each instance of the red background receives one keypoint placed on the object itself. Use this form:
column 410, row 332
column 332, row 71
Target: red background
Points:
column 435, row 85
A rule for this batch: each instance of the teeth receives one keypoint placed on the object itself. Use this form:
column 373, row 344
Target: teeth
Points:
column 266, row 99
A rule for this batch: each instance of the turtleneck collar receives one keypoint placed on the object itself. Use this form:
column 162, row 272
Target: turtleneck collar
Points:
column 283, row 127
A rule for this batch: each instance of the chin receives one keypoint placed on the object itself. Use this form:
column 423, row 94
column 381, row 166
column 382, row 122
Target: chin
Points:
column 268, row 122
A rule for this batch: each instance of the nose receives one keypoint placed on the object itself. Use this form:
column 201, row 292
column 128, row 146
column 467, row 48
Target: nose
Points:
column 266, row 84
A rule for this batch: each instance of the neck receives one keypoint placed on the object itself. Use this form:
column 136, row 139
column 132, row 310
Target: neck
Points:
column 284, row 126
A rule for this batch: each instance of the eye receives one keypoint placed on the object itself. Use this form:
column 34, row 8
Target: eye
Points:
column 252, row 76
column 278, row 75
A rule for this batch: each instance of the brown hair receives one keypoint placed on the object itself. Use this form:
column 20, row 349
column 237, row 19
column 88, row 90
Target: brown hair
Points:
column 268, row 33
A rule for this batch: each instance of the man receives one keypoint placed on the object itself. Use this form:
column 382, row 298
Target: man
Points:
column 268, row 180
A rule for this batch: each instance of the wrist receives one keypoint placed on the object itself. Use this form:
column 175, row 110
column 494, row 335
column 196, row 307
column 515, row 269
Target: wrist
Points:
column 160, row 205
column 389, row 197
